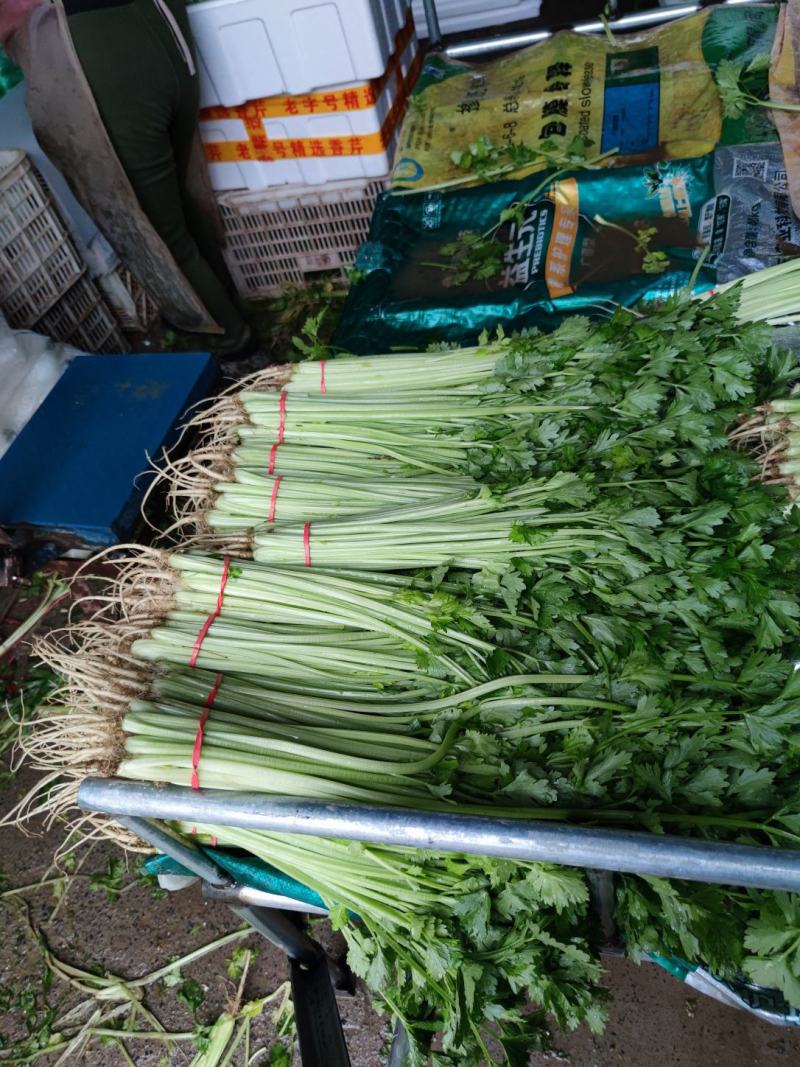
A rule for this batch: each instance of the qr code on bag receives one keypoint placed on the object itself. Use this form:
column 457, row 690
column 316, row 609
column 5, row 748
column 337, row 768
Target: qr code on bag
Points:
column 750, row 168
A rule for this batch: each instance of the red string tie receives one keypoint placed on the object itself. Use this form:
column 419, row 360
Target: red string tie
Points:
column 307, row 543
column 281, row 430
column 226, row 567
column 274, row 498
column 201, row 726
column 322, row 387
column 212, row 696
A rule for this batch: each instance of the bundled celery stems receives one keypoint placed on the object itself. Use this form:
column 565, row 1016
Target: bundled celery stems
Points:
column 535, row 579
column 317, row 442
column 772, row 434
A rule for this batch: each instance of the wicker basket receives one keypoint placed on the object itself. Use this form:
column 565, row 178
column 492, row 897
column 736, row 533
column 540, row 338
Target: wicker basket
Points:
column 38, row 262
column 286, row 236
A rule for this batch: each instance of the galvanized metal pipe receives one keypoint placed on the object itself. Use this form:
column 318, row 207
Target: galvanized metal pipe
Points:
column 574, row 846
column 432, row 19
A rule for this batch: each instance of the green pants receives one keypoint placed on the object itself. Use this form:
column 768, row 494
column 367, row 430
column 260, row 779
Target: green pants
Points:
column 141, row 73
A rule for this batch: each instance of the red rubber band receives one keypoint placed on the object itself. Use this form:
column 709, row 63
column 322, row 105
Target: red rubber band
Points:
column 213, row 840
column 274, row 498
column 198, row 741
column 281, row 430
column 207, row 624
column 322, row 387
column 307, row 543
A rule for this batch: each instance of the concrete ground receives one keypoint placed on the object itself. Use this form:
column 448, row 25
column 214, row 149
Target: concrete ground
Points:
column 653, row 1017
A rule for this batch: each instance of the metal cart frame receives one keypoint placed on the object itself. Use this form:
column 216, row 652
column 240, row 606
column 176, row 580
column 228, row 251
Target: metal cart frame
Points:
column 140, row 807
column 477, row 46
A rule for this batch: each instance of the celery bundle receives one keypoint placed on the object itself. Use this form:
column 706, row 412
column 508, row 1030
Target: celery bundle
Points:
column 549, row 587
column 326, row 442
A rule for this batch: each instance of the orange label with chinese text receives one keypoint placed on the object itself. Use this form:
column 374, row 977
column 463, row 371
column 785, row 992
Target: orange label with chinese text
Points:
column 562, row 239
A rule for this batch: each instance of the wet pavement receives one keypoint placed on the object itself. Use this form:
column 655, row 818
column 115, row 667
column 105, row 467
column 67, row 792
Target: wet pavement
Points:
column 135, row 935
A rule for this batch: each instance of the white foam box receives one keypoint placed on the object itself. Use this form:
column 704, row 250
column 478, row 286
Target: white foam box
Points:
column 384, row 115
column 458, row 16
column 249, row 49
column 227, row 177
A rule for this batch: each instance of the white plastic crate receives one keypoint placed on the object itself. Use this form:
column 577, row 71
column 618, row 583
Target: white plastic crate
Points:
column 249, row 49
column 363, row 137
column 278, row 238
column 38, row 261
column 457, row 16
column 82, row 318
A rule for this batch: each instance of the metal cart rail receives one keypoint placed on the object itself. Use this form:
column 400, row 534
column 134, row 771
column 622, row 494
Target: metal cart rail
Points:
column 617, row 23
column 573, row 846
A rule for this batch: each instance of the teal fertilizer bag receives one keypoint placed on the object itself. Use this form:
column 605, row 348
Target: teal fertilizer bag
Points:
column 443, row 266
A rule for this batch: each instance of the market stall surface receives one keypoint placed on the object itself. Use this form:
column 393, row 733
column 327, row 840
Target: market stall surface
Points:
column 100, row 915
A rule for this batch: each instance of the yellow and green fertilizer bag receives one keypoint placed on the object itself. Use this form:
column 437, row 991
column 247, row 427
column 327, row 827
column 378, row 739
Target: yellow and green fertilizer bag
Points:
column 651, row 96
column 693, row 186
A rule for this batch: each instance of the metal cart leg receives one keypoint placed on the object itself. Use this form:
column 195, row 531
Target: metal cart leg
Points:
column 319, row 1027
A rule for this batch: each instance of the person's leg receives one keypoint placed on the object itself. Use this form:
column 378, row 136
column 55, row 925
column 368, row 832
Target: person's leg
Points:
column 138, row 76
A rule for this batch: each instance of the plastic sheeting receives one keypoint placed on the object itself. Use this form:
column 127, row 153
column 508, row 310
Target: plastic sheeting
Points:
column 246, row 870
column 30, row 365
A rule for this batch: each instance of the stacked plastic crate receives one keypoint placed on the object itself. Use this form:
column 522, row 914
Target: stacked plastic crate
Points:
column 301, row 106
column 44, row 284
